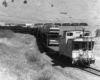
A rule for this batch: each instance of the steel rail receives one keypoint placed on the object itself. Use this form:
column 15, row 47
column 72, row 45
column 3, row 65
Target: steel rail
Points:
column 92, row 70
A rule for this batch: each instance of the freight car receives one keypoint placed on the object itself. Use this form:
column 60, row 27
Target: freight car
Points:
column 49, row 35
column 77, row 46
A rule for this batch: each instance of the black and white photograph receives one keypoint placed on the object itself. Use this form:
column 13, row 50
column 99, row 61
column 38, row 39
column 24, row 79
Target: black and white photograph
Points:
column 49, row 40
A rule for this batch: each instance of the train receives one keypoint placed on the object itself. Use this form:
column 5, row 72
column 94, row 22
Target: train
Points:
column 76, row 46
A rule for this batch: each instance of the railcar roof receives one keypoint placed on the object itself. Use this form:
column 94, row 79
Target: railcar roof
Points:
column 81, row 39
column 76, row 30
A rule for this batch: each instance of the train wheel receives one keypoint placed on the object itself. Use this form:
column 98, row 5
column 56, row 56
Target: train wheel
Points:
column 88, row 64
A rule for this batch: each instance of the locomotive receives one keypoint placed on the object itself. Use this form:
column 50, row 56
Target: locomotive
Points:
column 77, row 45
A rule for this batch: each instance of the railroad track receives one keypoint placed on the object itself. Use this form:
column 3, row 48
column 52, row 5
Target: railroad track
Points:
column 92, row 70
column 83, row 68
column 86, row 69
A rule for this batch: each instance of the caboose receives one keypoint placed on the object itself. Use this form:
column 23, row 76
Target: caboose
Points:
column 77, row 46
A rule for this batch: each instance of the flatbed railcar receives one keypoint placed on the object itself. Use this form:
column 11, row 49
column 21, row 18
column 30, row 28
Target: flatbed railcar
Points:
column 51, row 42
column 49, row 36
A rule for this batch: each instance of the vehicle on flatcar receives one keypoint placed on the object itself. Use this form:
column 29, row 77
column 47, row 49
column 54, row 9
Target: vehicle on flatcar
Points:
column 50, row 34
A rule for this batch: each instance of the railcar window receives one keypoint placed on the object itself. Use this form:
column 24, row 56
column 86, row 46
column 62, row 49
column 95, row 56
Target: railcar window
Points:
column 87, row 45
column 83, row 45
column 69, row 34
column 76, row 46
column 86, row 34
column 91, row 45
